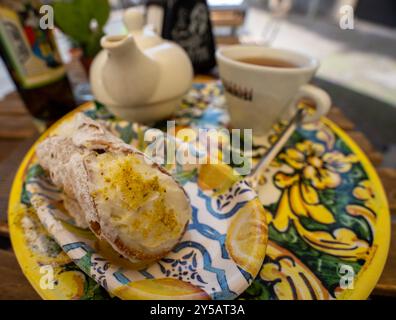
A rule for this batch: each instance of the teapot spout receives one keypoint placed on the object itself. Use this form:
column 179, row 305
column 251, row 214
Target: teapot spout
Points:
column 119, row 45
column 129, row 76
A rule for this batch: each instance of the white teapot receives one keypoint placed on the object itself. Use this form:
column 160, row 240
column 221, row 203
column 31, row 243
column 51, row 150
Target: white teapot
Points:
column 140, row 77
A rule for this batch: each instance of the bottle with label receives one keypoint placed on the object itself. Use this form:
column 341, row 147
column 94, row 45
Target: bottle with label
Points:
column 186, row 22
column 32, row 58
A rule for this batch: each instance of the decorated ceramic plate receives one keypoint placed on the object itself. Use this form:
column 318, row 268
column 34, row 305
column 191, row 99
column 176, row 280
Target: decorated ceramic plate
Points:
column 218, row 257
column 321, row 197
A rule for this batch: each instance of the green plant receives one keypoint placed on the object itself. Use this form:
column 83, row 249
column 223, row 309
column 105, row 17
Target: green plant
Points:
column 83, row 22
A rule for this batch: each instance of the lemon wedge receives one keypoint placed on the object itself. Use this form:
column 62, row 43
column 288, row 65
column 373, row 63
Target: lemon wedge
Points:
column 247, row 237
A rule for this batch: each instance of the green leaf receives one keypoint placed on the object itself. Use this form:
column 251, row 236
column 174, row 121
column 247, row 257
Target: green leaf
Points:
column 74, row 18
column 257, row 291
column 126, row 133
column 34, row 171
column 92, row 46
column 185, row 176
column 93, row 291
column 85, row 263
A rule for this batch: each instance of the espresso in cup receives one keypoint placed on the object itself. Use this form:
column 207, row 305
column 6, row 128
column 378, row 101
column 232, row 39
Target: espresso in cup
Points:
column 263, row 85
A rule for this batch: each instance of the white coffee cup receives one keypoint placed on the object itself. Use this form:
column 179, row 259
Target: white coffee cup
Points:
column 259, row 96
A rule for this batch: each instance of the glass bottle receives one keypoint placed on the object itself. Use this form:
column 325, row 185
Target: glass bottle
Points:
column 33, row 61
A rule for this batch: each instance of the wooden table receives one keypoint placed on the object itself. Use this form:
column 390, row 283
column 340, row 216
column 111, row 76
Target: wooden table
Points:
column 14, row 285
column 232, row 18
column 17, row 133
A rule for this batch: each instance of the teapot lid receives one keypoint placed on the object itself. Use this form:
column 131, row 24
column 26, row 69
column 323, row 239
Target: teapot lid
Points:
column 144, row 35
column 134, row 19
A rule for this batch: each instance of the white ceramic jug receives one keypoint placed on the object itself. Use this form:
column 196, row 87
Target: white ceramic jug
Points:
column 139, row 76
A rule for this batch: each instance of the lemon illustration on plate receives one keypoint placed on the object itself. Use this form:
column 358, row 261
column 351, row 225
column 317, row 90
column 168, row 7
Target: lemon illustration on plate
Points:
column 70, row 285
column 218, row 177
column 160, row 289
column 247, row 237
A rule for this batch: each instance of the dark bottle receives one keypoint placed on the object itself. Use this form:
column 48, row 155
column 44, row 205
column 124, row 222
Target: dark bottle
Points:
column 32, row 58
column 187, row 22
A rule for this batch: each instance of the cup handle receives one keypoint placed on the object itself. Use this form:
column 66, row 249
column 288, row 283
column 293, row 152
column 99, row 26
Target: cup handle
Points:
column 320, row 97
